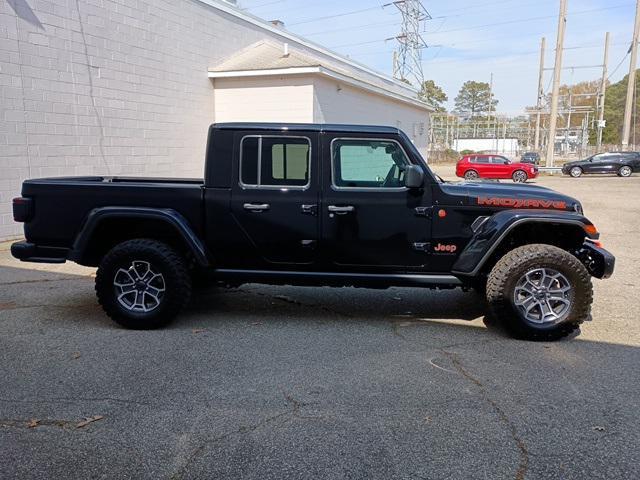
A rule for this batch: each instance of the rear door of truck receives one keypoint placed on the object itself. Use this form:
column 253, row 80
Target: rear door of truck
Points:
column 274, row 194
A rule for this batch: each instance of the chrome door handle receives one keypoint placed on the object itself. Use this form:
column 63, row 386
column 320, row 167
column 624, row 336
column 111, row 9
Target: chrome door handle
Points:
column 256, row 207
column 341, row 210
column 309, row 209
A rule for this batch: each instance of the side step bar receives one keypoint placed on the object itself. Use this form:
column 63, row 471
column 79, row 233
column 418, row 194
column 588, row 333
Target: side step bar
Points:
column 336, row 279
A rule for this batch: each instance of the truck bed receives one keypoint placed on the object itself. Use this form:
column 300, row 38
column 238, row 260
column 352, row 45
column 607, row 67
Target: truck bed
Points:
column 62, row 205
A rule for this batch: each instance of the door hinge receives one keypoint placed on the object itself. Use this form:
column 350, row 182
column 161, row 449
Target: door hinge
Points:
column 422, row 247
column 423, row 212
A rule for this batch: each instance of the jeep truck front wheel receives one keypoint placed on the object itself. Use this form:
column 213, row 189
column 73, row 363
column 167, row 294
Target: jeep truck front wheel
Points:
column 143, row 284
column 540, row 292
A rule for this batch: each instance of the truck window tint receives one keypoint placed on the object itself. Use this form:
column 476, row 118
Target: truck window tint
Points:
column 249, row 163
column 275, row 162
column 289, row 162
column 368, row 164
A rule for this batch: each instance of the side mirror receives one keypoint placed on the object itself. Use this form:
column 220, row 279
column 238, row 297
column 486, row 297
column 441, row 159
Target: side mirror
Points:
column 413, row 177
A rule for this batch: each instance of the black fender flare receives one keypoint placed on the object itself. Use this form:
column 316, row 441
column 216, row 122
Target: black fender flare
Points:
column 496, row 227
column 167, row 215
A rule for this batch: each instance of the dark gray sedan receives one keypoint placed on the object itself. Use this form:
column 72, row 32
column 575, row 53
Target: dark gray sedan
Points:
column 622, row 164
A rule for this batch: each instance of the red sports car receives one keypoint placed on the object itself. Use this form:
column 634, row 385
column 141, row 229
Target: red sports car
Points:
column 473, row 167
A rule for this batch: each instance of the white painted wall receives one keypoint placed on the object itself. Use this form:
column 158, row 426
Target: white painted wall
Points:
column 266, row 99
column 336, row 102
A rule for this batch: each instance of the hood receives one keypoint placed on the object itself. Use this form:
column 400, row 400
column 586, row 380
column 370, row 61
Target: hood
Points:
column 501, row 196
column 575, row 163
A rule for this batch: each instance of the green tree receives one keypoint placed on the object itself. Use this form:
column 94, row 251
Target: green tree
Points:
column 433, row 94
column 475, row 98
column 614, row 111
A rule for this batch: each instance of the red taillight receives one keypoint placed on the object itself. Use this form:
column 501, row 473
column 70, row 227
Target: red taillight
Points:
column 22, row 209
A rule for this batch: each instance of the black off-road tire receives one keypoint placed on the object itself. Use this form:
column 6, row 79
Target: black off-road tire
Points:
column 166, row 261
column 510, row 268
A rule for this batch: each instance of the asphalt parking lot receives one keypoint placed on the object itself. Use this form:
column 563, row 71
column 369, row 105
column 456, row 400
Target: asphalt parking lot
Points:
column 299, row 383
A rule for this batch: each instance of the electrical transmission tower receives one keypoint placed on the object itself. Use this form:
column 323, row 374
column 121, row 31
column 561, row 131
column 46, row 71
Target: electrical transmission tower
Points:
column 407, row 59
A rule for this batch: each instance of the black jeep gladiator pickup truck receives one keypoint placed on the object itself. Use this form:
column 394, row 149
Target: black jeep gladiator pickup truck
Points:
column 325, row 205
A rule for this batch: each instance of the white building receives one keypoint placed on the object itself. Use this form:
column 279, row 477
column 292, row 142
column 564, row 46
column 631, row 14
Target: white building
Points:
column 119, row 87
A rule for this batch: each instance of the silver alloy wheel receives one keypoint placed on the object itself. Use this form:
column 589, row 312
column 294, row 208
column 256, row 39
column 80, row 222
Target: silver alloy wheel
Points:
column 543, row 296
column 471, row 175
column 520, row 177
column 575, row 172
column 625, row 171
column 138, row 288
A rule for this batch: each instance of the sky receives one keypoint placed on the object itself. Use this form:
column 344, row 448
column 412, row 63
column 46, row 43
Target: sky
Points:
column 470, row 40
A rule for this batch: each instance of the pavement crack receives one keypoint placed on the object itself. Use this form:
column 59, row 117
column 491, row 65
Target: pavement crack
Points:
column 64, row 400
column 292, row 301
column 33, row 423
column 46, row 280
column 296, row 406
column 504, row 418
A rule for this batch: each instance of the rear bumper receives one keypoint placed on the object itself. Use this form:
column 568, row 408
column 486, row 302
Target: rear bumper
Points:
column 30, row 252
column 599, row 262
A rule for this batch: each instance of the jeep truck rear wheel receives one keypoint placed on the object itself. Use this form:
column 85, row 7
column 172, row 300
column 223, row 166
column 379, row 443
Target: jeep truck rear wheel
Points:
column 143, row 284
column 540, row 292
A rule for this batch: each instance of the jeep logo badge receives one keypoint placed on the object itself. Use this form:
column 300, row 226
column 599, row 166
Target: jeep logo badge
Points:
column 445, row 248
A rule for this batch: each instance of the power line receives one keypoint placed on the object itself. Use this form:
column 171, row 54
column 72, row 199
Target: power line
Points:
column 352, row 27
column 264, row 4
column 439, row 17
column 520, row 20
column 618, row 66
column 545, row 17
column 344, row 14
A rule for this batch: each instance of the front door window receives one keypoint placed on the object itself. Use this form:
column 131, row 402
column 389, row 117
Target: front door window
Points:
column 368, row 164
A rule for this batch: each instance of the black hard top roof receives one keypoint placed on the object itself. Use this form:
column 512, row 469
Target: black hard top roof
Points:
column 307, row 127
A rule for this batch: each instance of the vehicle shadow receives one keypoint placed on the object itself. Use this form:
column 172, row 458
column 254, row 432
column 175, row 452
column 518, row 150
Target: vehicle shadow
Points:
column 69, row 300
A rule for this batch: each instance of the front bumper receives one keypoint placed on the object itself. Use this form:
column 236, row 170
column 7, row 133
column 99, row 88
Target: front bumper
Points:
column 30, row 252
column 599, row 262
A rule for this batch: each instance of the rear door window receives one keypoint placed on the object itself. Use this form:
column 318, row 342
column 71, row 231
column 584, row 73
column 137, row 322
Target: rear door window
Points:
column 272, row 161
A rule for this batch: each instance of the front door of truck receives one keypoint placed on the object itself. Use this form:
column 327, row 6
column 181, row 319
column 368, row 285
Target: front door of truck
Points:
column 369, row 219
column 274, row 196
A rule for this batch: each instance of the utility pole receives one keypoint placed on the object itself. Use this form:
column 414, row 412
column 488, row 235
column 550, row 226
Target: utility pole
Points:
column 631, row 84
column 540, row 93
column 603, row 92
column 557, row 70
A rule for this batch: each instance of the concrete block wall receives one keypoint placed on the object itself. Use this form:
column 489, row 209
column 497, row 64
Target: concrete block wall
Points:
column 107, row 87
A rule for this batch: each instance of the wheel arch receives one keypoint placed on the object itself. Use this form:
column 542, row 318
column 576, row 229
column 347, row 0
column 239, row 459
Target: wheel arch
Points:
column 500, row 236
column 106, row 227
